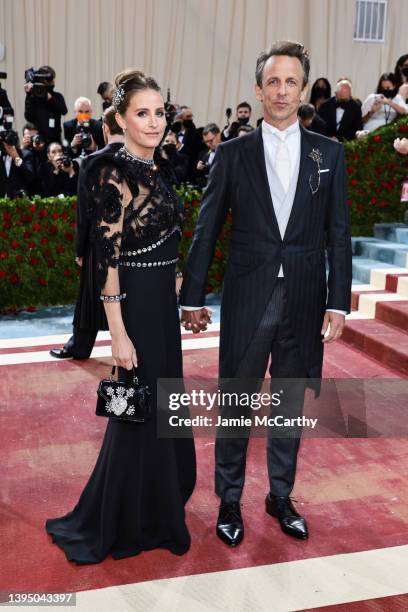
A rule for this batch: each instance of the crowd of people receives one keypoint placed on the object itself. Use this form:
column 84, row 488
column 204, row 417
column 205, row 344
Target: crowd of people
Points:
column 46, row 160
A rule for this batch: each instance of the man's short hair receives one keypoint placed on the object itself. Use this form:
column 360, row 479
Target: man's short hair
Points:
column 244, row 105
column 79, row 101
column 286, row 47
column 109, row 118
column 46, row 70
column 102, row 87
column 245, row 128
column 306, row 111
column 29, row 126
column 211, row 127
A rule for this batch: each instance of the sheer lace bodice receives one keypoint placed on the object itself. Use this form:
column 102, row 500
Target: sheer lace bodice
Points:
column 134, row 206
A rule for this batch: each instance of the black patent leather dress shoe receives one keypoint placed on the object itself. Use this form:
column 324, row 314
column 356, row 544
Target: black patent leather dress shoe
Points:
column 61, row 353
column 289, row 519
column 230, row 527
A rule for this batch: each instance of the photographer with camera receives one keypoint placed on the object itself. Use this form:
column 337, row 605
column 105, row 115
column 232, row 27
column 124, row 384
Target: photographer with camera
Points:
column 44, row 106
column 383, row 106
column 105, row 90
column 189, row 137
column 16, row 165
column 244, row 111
column 58, row 175
column 171, row 151
column 5, row 106
column 211, row 139
column 83, row 134
column 35, row 143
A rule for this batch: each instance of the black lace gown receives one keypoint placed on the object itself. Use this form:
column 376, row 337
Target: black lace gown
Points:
column 135, row 497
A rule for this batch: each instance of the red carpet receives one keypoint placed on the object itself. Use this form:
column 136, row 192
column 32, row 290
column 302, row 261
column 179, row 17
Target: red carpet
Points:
column 353, row 492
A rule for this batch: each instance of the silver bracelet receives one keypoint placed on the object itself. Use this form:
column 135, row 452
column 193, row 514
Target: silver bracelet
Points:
column 112, row 298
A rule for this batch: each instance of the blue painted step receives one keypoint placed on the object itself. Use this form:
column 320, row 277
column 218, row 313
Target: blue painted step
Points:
column 401, row 235
column 362, row 267
column 389, row 252
column 388, row 231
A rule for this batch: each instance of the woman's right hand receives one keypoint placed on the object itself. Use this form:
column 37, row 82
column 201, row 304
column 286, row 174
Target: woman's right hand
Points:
column 123, row 351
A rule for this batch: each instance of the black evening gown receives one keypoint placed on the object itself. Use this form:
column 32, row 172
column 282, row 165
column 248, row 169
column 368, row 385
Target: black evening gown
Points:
column 135, row 497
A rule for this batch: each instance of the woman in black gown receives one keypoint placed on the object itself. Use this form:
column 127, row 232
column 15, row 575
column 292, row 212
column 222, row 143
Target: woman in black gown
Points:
column 135, row 497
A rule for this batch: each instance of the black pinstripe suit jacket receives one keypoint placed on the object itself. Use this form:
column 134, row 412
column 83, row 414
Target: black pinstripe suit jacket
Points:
column 318, row 222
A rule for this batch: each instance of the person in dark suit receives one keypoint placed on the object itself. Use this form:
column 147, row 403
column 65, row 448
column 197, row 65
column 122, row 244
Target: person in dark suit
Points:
column 311, row 120
column 286, row 190
column 16, row 171
column 83, row 134
column 211, row 139
column 5, row 105
column 342, row 113
column 89, row 316
column 45, row 108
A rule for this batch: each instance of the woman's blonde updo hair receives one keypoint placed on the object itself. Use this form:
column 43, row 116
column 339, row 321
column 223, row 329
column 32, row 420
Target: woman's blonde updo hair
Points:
column 127, row 83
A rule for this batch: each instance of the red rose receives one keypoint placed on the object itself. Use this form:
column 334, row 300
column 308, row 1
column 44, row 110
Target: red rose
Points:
column 74, row 205
column 34, row 261
column 217, row 275
column 360, row 206
column 42, row 281
column 3, row 254
column 15, row 244
column 350, row 169
column 19, row 258
column 210, row 288
column 219, row 254
column 51, row 263
column 14, row 279
column 36, row 227
column 33, row 208
column 377, row 138
column 31, row 244
column 6, row 216
column 188, row 233
column 7, row 226
column 26, row 218
column 350, row 203
column 354, row 182
column 60, row 249
column 373, row 200
column 403, row 128
column 69, row 236
column 2, row 274
column 31, row 308
column 43, row 213
column 194, row 203
column 67, row 273
column 44, row 240
column 55, row 216
column 65, row 215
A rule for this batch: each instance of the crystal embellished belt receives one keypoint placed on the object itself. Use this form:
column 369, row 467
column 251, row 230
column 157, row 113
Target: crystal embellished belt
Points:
column 149, row 264
column 151, row 246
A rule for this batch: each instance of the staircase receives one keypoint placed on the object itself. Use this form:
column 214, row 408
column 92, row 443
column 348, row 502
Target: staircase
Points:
column 378, row 323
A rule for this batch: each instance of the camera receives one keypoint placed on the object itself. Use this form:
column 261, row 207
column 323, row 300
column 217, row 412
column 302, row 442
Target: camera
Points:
column 41, row 81
column 84, row 130
column 66, row 161
column 37, row 140
column 7, row 134
column 169, row 109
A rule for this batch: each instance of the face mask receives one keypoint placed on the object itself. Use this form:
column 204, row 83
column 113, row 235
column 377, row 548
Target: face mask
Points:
column 82, row 117
column 243, row 120
column 404, row 71
column 170, row 148
column 388, row 93
column 188, row 123
column 320, row 92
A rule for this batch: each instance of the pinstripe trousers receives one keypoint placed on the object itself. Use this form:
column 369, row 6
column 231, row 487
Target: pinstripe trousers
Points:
column 272, row 338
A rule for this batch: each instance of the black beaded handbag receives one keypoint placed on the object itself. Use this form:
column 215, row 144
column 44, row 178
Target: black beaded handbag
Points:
column 126, row 401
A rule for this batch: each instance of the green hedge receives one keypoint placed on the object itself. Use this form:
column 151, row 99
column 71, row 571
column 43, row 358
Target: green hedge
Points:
column 37, row 265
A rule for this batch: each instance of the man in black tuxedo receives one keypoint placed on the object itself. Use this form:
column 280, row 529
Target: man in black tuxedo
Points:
column 286, row 189
column 16, row 171
column 211, row 139
column 45, row 107
column 89, row 314
column 83, row 134
column 342, row 113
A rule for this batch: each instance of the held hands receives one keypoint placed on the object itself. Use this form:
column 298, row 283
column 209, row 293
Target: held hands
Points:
column 196, row 320
column 334, row 321
column 123, row 351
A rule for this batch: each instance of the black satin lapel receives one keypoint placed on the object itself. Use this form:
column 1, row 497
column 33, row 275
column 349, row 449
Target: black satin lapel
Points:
column 254, row 163
column 307, row 167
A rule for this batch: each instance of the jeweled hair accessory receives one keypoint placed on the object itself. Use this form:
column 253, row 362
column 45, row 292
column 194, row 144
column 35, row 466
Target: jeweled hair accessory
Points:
column 118, row 97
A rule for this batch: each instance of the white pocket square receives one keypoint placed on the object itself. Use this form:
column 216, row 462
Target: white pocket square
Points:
column 325, row 170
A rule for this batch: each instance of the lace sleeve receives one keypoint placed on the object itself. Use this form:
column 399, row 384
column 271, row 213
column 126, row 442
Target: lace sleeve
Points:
column 108, row 213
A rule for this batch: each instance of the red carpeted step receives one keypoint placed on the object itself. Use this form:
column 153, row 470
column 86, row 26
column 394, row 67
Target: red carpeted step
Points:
column 380, row 341
column 391, row 282
column 394, row 313
column 355, row 297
